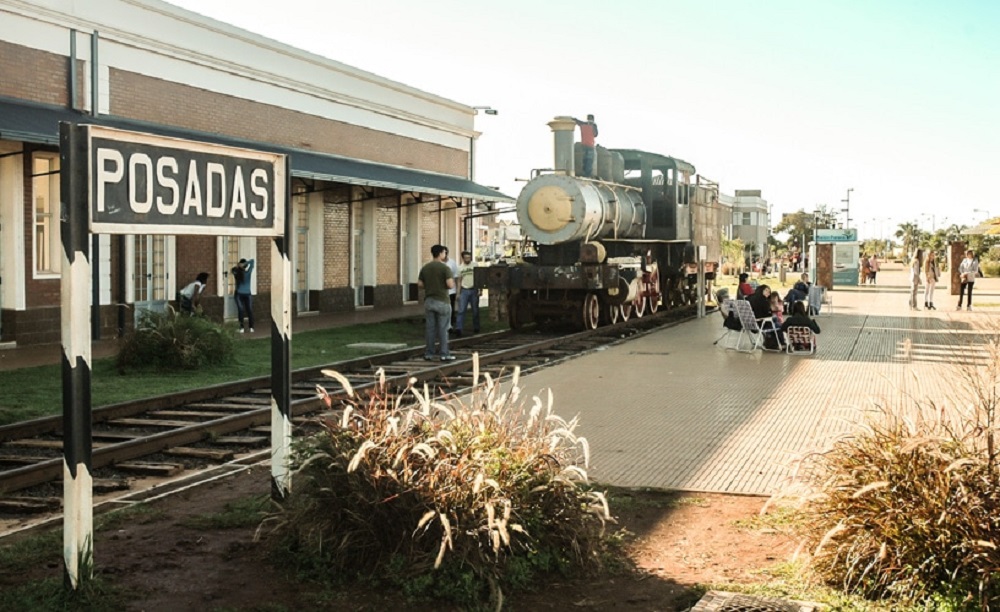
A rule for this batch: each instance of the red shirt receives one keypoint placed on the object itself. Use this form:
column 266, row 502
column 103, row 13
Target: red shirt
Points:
column 588, row 131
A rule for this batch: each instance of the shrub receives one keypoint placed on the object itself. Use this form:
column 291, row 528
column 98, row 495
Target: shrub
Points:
column 910, row 506
column 990, row 268
column 453, row 499
column 175, row 341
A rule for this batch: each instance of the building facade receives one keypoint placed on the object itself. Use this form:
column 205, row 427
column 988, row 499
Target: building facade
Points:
column 379, row 170
column 751, row 222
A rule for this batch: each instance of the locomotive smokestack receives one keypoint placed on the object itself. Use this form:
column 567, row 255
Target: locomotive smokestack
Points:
column 563, row 135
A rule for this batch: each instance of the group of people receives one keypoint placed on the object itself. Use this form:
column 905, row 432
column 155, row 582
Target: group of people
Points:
column 868, row 269
column 442, row 280
column 768, row 304
column 968, row 271
column 189, row 298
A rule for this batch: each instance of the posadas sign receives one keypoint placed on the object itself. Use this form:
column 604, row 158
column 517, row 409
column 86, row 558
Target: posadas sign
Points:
column 146, row 184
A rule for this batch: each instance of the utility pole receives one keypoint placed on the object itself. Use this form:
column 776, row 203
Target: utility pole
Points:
column 847, row 222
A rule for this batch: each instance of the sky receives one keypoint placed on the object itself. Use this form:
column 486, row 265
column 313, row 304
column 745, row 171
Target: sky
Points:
column 893, row 99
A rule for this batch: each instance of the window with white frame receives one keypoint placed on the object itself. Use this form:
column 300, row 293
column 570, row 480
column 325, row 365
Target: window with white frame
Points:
column 45, row 212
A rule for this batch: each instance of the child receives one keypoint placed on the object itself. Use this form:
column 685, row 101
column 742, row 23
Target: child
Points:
column 777, row 308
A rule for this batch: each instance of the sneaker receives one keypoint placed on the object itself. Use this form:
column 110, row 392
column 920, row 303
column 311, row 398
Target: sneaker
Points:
column 428, row 357
column 242, row 330
column 447, row 358
column 968, row 308
column 251, row 330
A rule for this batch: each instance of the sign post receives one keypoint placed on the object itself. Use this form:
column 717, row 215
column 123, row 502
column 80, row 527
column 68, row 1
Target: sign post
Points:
column 120, row 182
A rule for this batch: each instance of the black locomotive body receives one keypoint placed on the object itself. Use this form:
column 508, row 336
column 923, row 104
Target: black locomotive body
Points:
column 613, row 246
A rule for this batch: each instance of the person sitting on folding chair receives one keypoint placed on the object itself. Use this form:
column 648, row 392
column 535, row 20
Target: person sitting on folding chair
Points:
column 760, row 302
column 800, row 318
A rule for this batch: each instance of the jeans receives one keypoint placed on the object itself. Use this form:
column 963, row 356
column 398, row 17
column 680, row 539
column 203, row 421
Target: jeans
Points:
column 961, row 293
column 469, row 296
column 438, row 316
column 914, row 290
column 588, row 161
column 244, row 308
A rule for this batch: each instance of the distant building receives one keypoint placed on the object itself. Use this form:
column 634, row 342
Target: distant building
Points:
column 379, row 170
column 751, row 222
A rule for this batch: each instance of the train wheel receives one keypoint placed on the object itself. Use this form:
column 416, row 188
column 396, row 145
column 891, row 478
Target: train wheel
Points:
column 591, row 311
column 654, row 293
column 639, row 306
column 614, row 313
column 626, row 310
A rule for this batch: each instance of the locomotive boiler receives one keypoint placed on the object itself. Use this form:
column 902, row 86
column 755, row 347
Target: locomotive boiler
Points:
column 607, row 247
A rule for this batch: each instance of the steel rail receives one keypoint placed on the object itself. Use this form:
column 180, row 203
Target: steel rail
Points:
column 51, row 469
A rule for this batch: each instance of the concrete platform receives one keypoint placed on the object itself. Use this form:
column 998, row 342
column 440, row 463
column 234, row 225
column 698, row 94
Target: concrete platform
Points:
column 670, row 410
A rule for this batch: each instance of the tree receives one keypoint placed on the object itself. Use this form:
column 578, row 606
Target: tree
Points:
column 911, row 235
column 801, row 225
column 732, row 252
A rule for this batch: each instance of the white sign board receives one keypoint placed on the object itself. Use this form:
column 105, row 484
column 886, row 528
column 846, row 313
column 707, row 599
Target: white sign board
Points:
column 146, row 184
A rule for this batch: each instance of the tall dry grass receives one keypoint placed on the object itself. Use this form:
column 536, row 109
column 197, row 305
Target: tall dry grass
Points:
column 490, row 490
column 908, row 507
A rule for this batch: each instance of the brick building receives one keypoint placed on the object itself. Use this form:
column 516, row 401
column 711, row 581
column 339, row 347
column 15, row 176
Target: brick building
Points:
column 380, row 170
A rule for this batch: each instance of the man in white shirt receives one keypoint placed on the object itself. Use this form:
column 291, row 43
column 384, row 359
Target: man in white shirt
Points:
column 453, row 289
column 467, row 294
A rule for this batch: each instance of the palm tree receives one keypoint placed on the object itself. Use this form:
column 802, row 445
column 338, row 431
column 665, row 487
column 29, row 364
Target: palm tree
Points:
column 910, row 234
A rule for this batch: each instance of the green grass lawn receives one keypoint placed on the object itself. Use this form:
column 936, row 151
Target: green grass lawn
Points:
column 36, row 392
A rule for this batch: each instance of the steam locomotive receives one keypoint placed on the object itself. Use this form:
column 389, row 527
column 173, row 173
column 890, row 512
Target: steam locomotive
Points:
column 610, row 247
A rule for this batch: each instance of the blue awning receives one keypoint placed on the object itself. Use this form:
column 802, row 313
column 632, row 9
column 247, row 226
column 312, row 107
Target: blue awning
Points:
column 36, row 123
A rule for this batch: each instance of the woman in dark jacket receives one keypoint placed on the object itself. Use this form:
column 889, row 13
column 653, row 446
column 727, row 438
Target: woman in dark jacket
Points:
column 760, row 302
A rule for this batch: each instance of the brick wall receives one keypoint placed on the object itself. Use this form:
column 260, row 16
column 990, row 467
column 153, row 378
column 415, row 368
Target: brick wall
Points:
column 38, row 76
column 156, row 100
column 387, row 240
column 337, row 236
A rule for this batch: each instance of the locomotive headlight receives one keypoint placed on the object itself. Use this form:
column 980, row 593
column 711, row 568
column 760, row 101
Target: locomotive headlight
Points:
column 550, row 208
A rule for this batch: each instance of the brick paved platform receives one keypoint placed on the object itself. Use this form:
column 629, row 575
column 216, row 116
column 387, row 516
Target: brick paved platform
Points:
column 670, row 410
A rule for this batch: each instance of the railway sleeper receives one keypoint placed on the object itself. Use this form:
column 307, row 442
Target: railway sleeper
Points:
column 50, row 444
column 169, row 423
column 211, row 454
column 29, row 505
column 144, row 468
column 242, row 440
column 21, row 459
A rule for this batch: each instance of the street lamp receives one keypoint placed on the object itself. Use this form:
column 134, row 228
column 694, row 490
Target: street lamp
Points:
column 985, row 212
column 473, row 225
column 847, row 221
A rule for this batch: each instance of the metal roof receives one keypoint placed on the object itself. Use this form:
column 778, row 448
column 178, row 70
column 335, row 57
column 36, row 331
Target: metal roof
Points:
column 37, row 123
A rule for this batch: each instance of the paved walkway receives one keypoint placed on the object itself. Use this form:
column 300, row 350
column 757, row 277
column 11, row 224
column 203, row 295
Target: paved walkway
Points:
column 670, row 410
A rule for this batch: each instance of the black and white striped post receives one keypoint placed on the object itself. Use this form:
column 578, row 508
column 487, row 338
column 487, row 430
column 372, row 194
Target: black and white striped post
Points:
column 281, row 349
column 120, row 182
column 75, row 288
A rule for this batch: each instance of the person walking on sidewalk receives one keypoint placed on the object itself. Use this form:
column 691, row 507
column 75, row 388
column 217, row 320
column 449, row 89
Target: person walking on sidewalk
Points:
column 467, row 294
column 931, row 275
column 436, row 279
column 244, row 299
column 874, row 267
column 968, row 270
column 915, row 264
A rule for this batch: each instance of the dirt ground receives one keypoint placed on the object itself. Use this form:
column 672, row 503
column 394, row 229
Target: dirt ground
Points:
column 680, row 540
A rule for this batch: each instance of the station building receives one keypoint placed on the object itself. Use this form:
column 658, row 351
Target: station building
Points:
column 380, row 171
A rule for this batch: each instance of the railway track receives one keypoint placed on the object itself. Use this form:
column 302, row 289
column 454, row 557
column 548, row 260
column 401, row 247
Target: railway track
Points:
column 160, row 437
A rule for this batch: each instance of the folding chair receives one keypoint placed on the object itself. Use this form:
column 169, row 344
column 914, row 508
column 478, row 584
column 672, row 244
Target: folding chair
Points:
column 754, row 328
column 800, row 341
column 725, row 307
column 818, row 296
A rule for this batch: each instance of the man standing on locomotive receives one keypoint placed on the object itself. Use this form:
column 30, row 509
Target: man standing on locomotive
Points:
column 588, row 132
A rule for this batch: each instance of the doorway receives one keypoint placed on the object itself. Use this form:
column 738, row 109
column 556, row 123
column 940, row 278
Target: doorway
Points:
column 149, row 273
